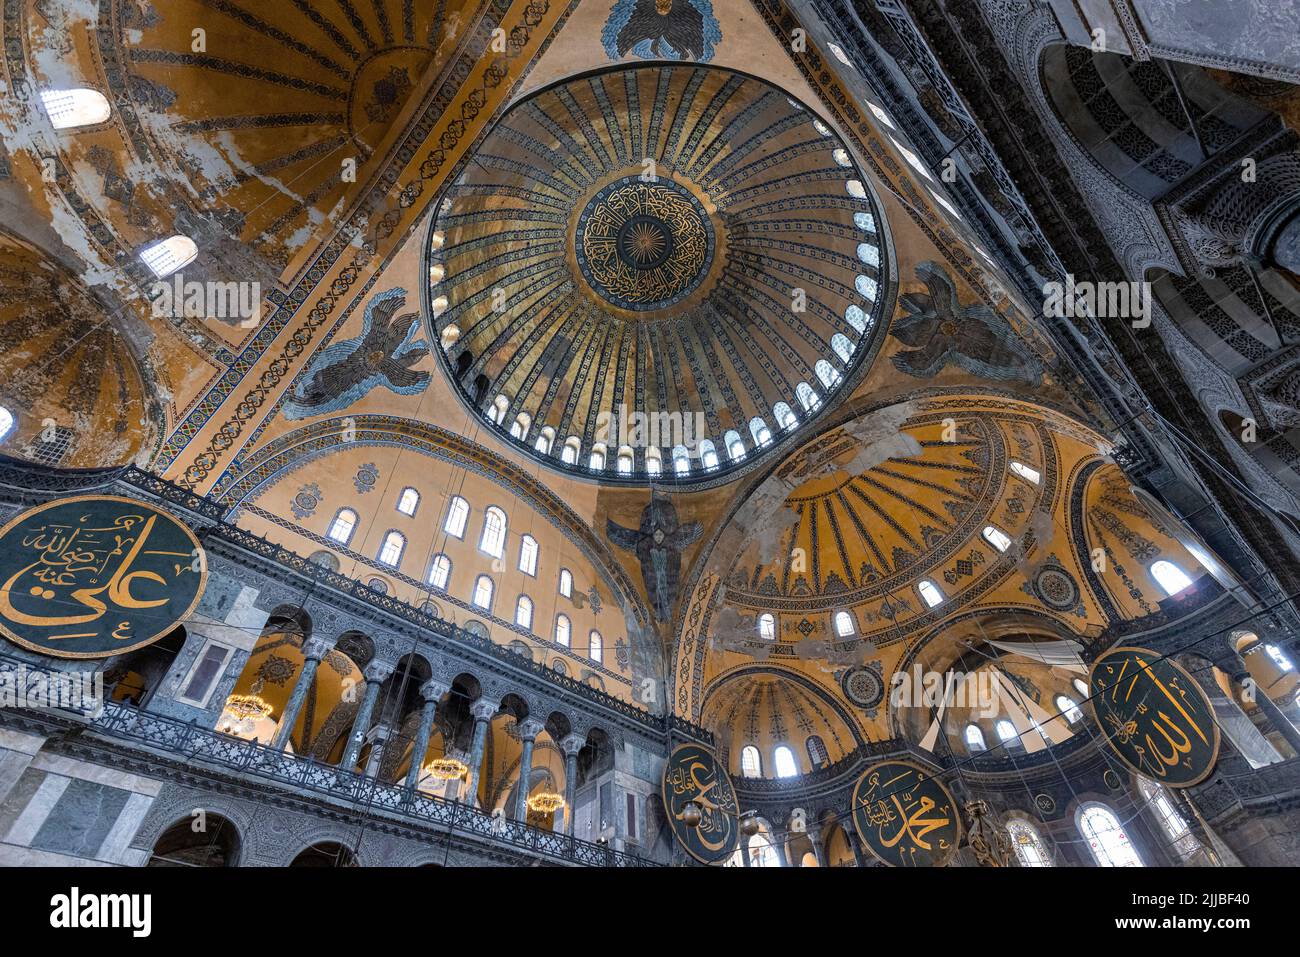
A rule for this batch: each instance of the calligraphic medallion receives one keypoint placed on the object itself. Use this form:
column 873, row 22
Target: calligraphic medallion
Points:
column 96, row 575
column 905, row 816
column 644, row 245
column 693, row 774
column 1155, row 715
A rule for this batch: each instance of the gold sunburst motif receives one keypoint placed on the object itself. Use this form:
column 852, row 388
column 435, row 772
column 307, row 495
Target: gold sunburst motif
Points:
column 645, row 242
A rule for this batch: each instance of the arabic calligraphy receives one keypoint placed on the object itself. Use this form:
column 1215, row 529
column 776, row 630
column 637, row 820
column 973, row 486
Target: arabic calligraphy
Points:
column 905, row 817
column 1155, row 715
column 93, row 576
column 693, row 774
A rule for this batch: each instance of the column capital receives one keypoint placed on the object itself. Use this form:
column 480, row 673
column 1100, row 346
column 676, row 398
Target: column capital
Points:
column 317, row 648
column 571, row 744
column 378, row 671
column 530, row 728
column 483, row 710
column 433, row 690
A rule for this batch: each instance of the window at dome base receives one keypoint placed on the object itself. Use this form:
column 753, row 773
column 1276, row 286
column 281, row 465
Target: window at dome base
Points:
column 68, row 109
column 697, row 352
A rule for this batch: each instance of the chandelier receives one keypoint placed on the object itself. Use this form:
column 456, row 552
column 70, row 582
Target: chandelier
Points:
column 247, row 707
column 445, row 769
column 546, row 802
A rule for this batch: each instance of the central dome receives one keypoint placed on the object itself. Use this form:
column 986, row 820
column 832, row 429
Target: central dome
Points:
column 656, row 271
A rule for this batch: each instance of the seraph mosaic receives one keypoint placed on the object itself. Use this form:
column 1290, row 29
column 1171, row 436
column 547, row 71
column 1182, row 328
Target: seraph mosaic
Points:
column 973, row 337
column 662, row 30
column 383, row 355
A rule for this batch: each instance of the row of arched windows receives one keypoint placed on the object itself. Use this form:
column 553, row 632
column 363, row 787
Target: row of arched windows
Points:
column 783, row 760
column 1006, row 731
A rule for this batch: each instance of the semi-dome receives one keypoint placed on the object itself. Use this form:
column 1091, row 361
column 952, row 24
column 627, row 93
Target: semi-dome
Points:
column 656, row 271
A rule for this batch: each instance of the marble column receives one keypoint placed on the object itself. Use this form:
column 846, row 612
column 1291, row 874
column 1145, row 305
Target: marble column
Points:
column 482, row 710
column 528, row 731
column 432, row 692
column 570, row 745
column 1272, row 713
column 313, row 650
column 374, row 673
column 379, row 740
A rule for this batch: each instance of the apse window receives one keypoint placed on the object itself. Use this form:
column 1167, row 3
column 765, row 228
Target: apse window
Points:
column 996, row 537
column 1028, row 845
column 440, row 572
column 68, row 109
column 524, row 612
column 562, row 630
column 783, row 760
column 844, row 626
column 457, row 517
column 344, row 524
column 483, row 589
column 408, row 501
column 391, row 552
column 1007, row 733
column 493, row 539
column 169, row 255
column 1279, row 659
column 975, row 739
column 595, row 646
column 1080, row 686
column 528, row 555
column 1026, row 473
column 566, row 583
column 767, row 627
column 1068, row 707
column 1170, row 577
column 930, row 593
column 751, row 765
column 1106, row 838
column 6, row 423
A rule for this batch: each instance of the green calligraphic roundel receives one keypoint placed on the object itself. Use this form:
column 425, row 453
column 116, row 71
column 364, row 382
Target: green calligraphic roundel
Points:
column 1155, row 716
column 693, row 774
column 94, row 576
column 904, row 816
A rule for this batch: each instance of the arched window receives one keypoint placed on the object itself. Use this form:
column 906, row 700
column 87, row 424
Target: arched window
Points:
column 1279, row 659
column 408, row 501
column 784, row 415
column 975, row 738
column 767, row 626
column 524, row 612
column 68, row 109
column 569, row 454
column 1068, row 707
column 597, row 460
column 996, row 537
column 843, row 348
column 930, row 593
column 841, row 156
column 6, row 423
column 759, row 430
column 784, row 762
column 865, row 222
column 681, row 460
column 391, row 552
column 493, row 539
column 1006, row 732
column 654, row 464
column 497, row 410
column 1106, row 839
column 545, row 439
column 827, row 373
column 457, row 517
column 855, row 189
column 1170, row 577
column 751, row 765
column 735, row 447
column 869, row 253
column 439, row 305
column 708, row 457
column 440, row 571
column 169, row 255
column 1081, row 686
column 1027, row 844
column 483, row 589
column 595, row 646
column 855, row 317
column 1025, row 472
column 528, row 555
column 867, row 288
column 624, row 461
column 519, row 430
column 344, row 524
column 809, row 399
column 1161, row 803
column 817, row 754
column 562, row 630
column 844, row 626
column 566, row 583
column 450, row 336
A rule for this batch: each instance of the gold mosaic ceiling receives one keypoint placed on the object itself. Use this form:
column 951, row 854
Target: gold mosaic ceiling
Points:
column 667, row 240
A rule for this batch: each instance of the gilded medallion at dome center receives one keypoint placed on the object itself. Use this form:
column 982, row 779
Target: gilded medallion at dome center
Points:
column 644, row 245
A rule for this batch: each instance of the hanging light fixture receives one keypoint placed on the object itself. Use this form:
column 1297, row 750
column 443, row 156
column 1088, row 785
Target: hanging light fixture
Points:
column 692, row 813
column 749, row 823
column 249, row 708
column 545, row 802
column 446, row 769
